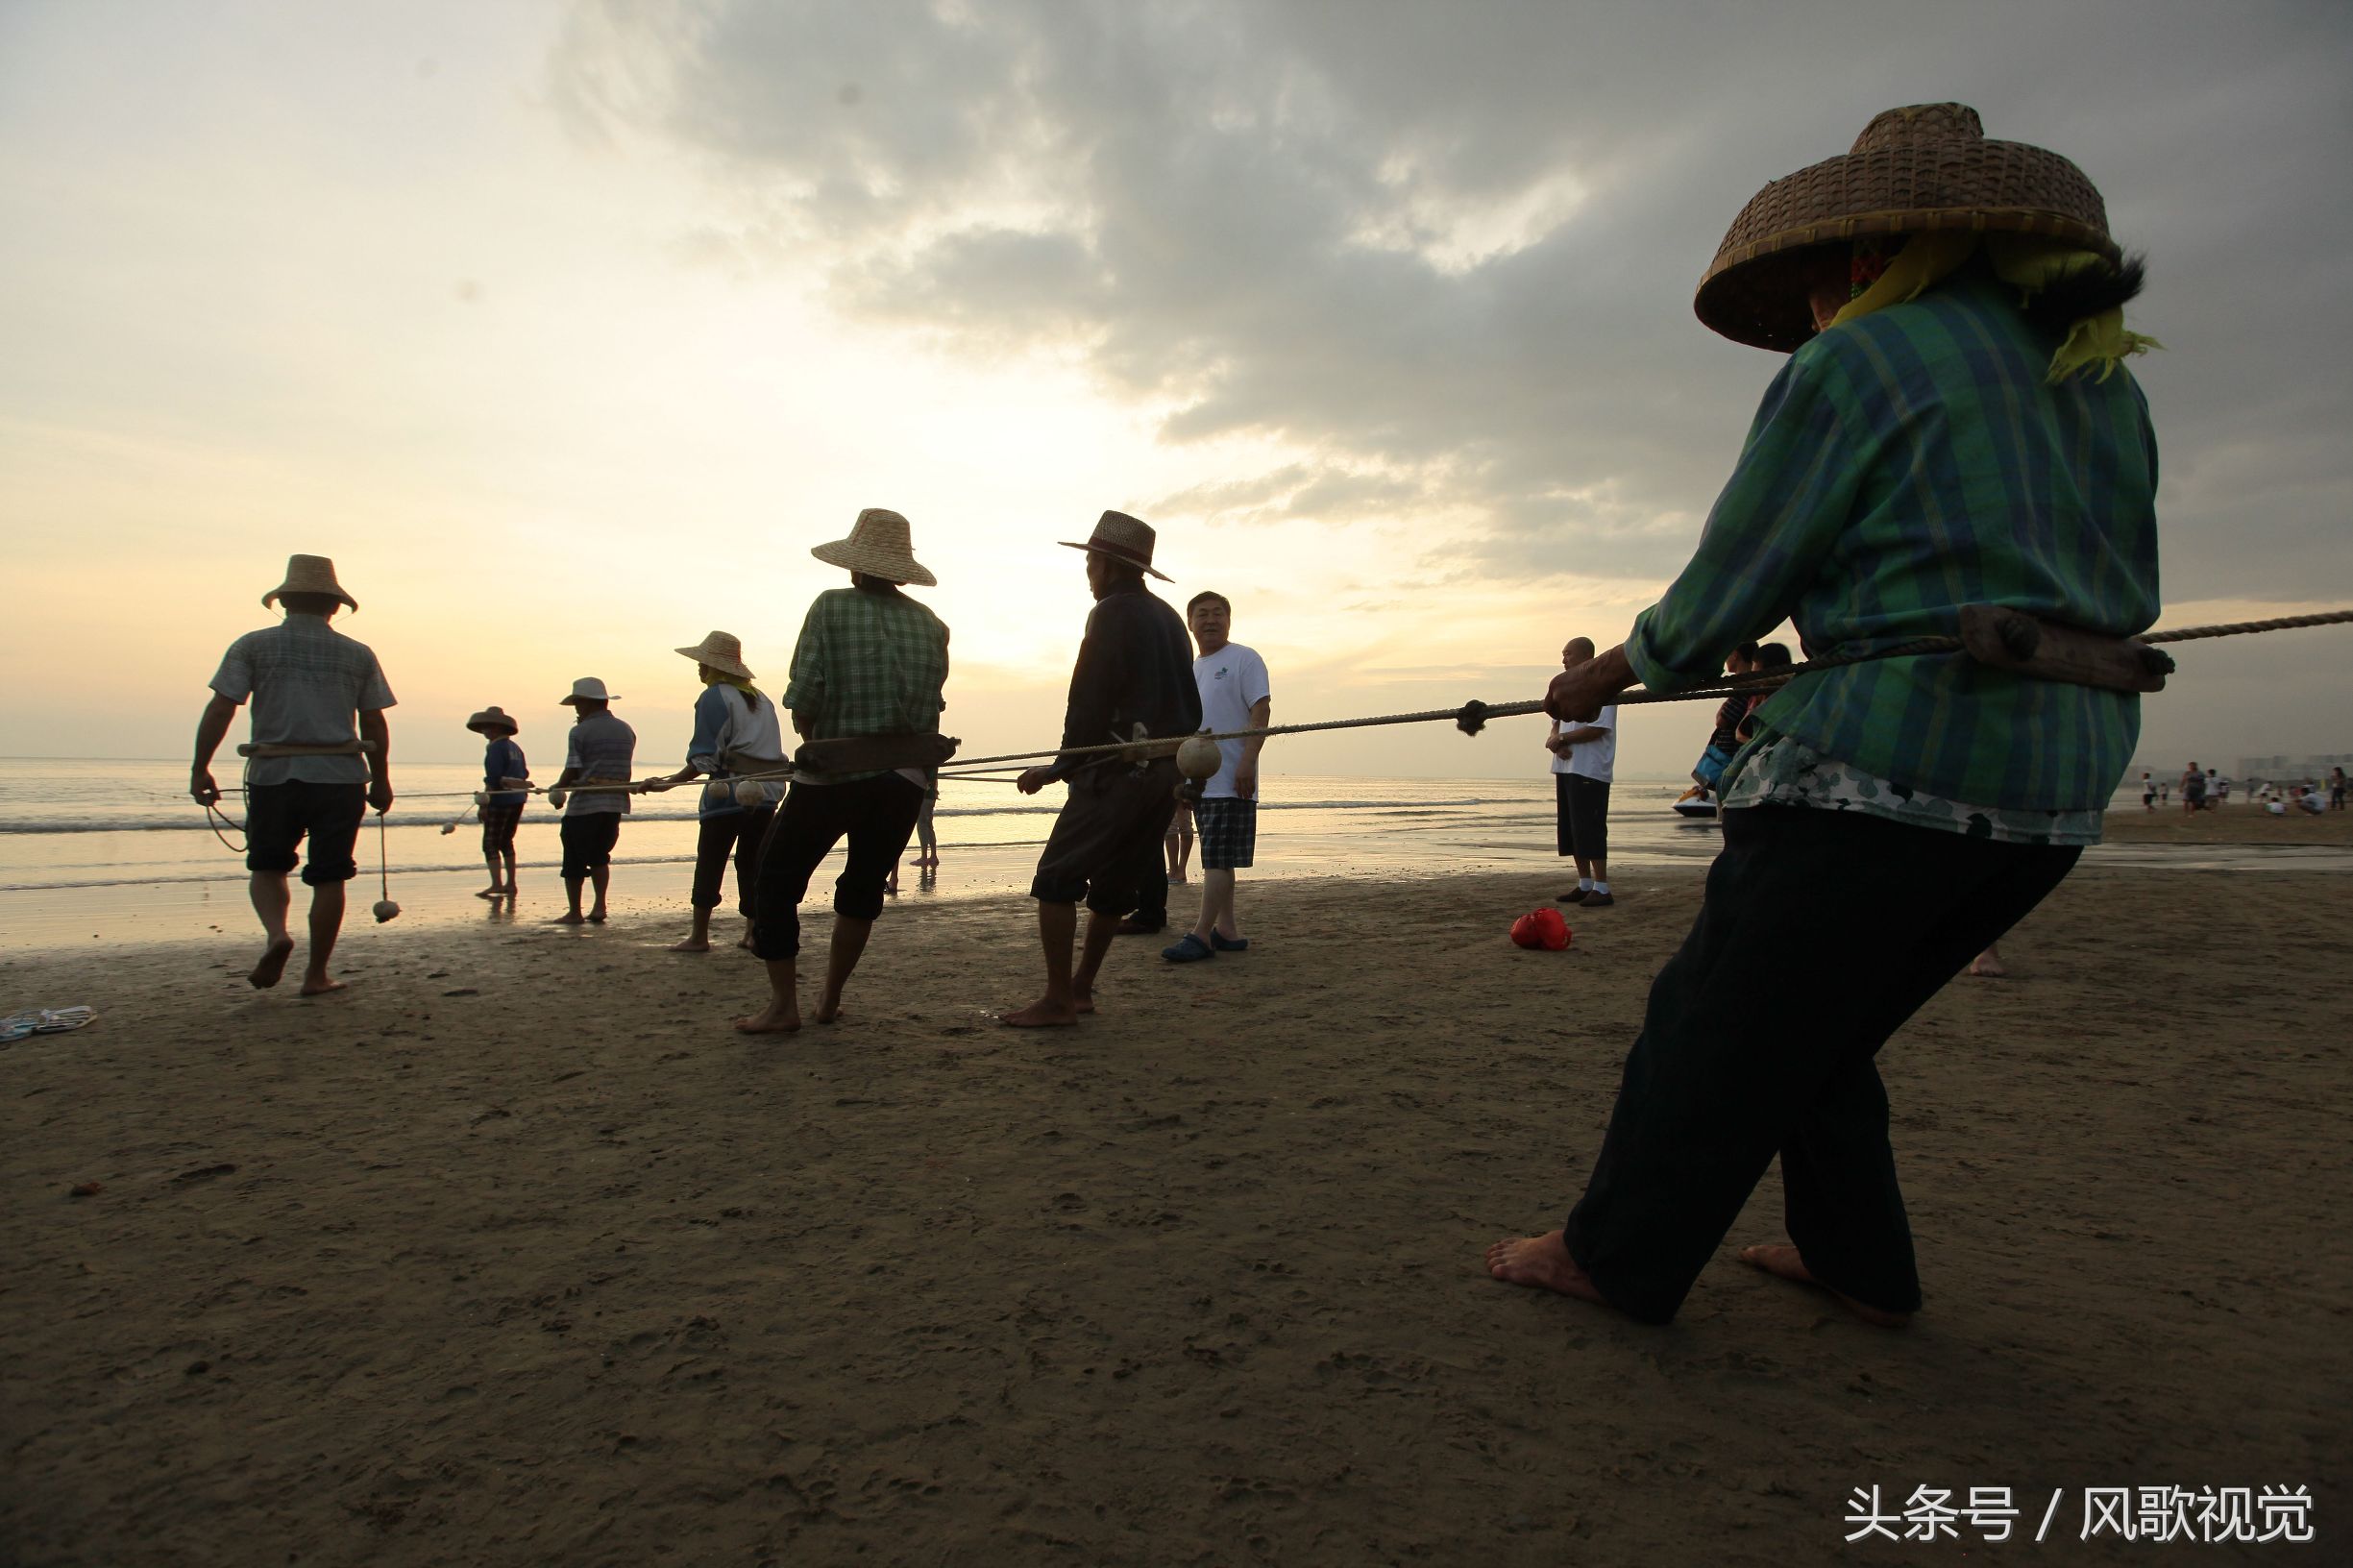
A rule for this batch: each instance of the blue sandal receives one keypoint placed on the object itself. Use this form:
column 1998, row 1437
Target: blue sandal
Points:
column 1237, row 945
column 1190, row 950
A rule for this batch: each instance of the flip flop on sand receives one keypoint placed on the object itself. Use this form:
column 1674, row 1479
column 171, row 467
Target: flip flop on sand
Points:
column 44, row 1021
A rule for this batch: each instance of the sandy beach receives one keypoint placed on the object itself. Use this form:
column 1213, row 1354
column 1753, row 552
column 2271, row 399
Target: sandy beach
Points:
column 514, row 1254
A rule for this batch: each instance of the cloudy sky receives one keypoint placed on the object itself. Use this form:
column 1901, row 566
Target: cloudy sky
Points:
column 567, row 328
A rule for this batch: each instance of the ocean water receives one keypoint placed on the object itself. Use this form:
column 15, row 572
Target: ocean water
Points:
column 101, row 851
column 112, row 851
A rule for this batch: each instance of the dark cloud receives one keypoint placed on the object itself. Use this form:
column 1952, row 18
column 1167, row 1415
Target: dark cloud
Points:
column 1448, row 251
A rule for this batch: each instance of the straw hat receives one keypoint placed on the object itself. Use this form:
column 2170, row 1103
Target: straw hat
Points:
column 493, row 718
column 878, row 546
column 587, row 689
column 1122, row 538
column 309, row 575
column 1925, row 167
column 721, row 652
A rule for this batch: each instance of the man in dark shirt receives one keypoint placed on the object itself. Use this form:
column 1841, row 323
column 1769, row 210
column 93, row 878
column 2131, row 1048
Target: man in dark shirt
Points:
column 1133, row 678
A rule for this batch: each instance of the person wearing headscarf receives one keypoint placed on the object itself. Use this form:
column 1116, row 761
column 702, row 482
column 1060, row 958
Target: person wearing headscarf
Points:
column 1954, row 425
column 732, row 719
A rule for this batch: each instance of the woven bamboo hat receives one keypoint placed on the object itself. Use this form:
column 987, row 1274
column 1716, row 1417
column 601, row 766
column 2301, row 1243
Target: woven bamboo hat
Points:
column 493, row 718
column 1124, row 538
column 721, row 652
column 309, row 575
column 879, row 547
column 1925, row 167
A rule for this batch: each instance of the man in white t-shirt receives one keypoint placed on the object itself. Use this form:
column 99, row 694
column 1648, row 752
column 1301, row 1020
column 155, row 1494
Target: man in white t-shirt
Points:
column 1584, row 758
column 1234, row 696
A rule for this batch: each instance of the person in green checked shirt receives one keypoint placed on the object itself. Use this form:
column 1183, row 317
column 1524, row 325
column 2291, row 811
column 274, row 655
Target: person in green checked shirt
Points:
column 1954, row 426
column 870, row 661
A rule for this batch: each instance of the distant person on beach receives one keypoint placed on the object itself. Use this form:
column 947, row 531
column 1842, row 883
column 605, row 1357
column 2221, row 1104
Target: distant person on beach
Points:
column 1955, row 413
column 1133, row 677
column 599, row 749
column 2336, row 789
column 1770, row 657
column 1178, row 845
column 2149, row 792
column 2192, row 791
column 307, row 681
column 1724, row 736
column 872, row 662
column 2217, row 789
column 926, row 836
column 503, row 770
column 1234, row 695
column 1584, row 759
column 733, row 719
column 2307, row 799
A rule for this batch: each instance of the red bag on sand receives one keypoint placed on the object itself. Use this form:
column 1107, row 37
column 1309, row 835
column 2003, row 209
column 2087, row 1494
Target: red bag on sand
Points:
column 1541, row 928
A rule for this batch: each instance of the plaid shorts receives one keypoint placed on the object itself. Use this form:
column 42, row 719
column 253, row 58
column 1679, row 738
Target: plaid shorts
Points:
column 499, row 828
column 1227, row 829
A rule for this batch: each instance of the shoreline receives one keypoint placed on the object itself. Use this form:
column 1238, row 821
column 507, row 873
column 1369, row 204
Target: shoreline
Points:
column 516, row 1250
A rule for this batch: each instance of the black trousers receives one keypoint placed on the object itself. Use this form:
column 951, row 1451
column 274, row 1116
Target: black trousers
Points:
column 1820, row 933
column 1580, row 815
column 876, row 815
column 735, row 833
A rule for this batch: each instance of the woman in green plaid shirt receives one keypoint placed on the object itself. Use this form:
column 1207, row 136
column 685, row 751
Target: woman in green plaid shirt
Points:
column 1954, row 427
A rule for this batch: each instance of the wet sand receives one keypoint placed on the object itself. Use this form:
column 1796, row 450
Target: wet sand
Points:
column 514, row 1254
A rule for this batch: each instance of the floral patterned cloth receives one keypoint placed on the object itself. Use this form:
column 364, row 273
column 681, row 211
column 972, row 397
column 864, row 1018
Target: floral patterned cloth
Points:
column 1786, row 772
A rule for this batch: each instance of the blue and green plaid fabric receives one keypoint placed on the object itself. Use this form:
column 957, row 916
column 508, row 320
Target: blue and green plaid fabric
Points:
column 1903, row 465
column 867, row 664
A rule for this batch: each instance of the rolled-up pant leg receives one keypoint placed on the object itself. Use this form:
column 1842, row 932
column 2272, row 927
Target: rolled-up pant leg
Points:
column 1820, row 933
column 809, row 823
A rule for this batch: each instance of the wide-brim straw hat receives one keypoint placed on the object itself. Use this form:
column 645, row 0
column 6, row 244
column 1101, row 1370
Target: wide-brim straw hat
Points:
column 587, row 689
column 1913, row 170
column 1122, row 538
column 309, row 575
column 493, row 718
column 721, row 650
column 878, row 546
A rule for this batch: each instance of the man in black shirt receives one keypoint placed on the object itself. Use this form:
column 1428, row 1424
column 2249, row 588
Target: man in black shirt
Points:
column 1133, row 678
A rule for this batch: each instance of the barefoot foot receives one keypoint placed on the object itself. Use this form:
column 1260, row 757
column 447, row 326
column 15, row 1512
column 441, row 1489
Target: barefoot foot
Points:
column 770, row 1021
column 1781, row 1258
column 322, row 985
column 692, row 945
column 273, row 966
column 1044, row 1015
column 494, row 891
column 1542, row 1261
column 595, row 916
column 572, row 919
column 1082, row 1002
column 1986, row 966
column 829, row 1010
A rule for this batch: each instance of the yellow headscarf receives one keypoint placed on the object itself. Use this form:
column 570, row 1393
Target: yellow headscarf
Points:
column 720, row 677
column 2027, row 263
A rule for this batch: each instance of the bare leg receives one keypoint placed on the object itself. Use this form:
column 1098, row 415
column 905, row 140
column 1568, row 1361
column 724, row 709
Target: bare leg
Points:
column 1544, row 1262
column 601, row 879
column 782, row 1015
column 1101, row 928
column 1217, row 906
column 840, row 957
column 325, row 922
column 490, row 859
column 1783, row 1259
column 699, row 940
column 271, row 901
column 1057, row 927
column 572, row 892
column 508, row 855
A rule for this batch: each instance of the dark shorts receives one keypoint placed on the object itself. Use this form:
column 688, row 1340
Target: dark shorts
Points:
column 1108, row 836
column 1582, row 807
column 875, row 814
column 588, row 843
column 499, row 828
column 278, row 817
column 1228, row 833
